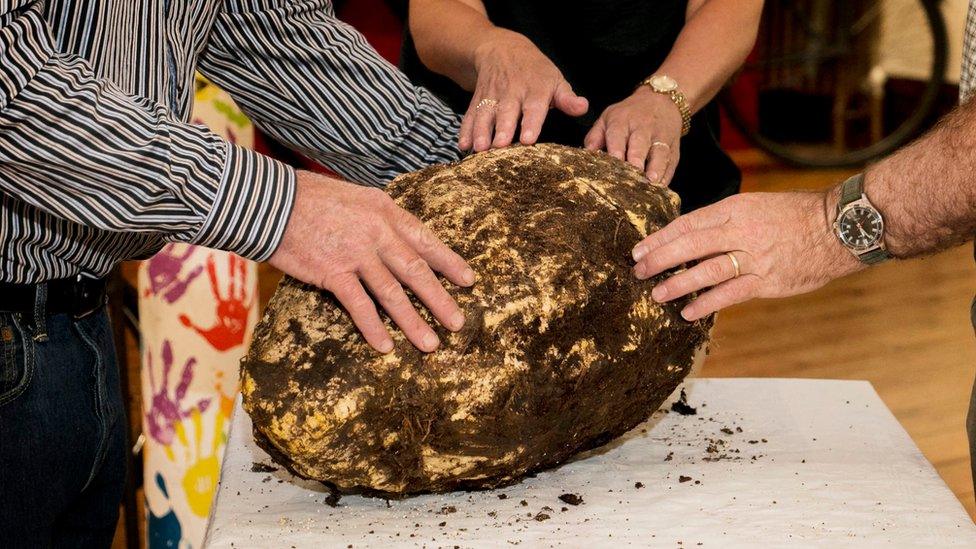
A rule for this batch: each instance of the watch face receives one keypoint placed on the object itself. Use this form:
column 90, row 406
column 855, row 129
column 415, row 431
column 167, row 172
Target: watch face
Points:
column 663, row 83
column 860, row 227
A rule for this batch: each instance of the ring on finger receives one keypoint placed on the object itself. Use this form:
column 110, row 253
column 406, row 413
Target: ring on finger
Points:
column 660, row 144
column 487, row 103
column 735, row 264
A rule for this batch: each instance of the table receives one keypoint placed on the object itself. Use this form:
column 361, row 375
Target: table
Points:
column 767, row 462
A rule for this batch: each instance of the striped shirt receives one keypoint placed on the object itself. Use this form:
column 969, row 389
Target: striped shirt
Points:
column 98, row 163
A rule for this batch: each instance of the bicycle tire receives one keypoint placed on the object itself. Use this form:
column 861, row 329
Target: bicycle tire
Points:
column 907, row 131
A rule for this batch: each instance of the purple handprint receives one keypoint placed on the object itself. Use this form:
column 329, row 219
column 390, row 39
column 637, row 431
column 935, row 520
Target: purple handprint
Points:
column 164, row 411
column 164, row 273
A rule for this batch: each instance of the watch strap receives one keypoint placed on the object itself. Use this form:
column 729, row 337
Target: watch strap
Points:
column 874, row 256
column 679, row 100
column 852, row 190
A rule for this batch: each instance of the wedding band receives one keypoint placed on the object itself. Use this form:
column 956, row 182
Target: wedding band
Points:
column 660, row 144
column 735, row 264
column 490, row 103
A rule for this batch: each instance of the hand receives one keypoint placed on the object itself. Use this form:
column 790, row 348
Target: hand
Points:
column 340, row 235
column 644, row 130
column 518, row 82
column 782, row 241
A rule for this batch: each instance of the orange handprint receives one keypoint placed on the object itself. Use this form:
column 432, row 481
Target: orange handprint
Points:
column 225, row 402
column 232, row 311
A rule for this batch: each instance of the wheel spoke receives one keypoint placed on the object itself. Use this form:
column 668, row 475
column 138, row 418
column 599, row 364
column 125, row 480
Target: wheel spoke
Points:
column 814, row 54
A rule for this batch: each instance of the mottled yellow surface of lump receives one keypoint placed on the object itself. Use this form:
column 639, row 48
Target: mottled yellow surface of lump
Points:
column 563, row 348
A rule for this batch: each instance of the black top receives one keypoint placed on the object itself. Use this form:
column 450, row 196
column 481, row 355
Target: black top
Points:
column 604, row 49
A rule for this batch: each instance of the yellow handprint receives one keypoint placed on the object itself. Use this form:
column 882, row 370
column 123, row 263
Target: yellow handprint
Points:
column 200, row 478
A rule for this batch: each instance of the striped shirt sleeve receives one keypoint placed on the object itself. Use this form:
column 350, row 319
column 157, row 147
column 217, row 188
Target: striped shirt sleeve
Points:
column 314, row 84
column 80, row 148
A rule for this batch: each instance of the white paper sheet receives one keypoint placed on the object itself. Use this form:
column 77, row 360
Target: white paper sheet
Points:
column 816, row 463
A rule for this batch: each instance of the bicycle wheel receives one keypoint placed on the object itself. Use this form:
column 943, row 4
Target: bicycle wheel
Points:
column 832, row 84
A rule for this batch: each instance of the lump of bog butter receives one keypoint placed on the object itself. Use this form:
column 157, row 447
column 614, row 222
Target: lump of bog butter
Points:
column 563, row 348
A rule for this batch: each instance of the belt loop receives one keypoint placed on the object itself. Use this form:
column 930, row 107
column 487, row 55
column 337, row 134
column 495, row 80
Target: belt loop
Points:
column 40, row 312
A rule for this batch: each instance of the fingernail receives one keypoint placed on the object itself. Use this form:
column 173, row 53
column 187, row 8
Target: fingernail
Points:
column 527, row 136
column 659, row 293
column 457, row 321
column 386, row 346
column 639, row 252
column 639, row 270
column 653, row 177
column 430, row 341
column 467, row 277
column 685, row 314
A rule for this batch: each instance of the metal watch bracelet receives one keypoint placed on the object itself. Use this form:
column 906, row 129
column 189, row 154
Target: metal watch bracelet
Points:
column 676, row 97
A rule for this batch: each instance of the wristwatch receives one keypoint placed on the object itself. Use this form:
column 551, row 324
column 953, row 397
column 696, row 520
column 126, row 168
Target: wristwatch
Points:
column 859, row 225
column 664, row 84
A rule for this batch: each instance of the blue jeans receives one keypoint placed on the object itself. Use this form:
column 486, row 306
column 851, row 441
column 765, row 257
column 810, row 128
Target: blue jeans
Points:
column 62, row 432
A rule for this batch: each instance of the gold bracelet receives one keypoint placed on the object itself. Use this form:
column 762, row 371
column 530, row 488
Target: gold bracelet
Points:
column 666, row 85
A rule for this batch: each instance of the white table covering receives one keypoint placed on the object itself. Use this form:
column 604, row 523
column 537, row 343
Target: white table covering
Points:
column 817, row 463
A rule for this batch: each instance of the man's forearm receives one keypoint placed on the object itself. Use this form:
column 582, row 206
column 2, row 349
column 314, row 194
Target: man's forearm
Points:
column 447, row 35
column 927, row 190
column 714, row 42
column 369, row 124
column 147, row 171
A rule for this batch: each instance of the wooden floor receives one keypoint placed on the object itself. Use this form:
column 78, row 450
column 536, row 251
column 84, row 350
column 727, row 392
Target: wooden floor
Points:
column 903, row 326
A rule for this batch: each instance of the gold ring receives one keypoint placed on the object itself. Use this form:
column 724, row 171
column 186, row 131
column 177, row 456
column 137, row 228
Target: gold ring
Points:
column 660, row 144
column 735, row 264
column 490, row 103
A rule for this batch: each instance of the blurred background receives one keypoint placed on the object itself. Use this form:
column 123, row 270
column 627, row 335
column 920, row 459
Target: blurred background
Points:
column 829, row 87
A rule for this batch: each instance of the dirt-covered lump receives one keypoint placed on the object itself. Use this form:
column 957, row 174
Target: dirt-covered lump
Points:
column 562, row 351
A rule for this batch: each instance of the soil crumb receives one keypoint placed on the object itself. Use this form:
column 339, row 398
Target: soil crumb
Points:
column 262, row 468
column 682, row 407
column 572, row 499
column 332, row 500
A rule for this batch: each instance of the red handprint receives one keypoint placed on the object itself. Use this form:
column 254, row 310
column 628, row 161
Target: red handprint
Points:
column 232, row 311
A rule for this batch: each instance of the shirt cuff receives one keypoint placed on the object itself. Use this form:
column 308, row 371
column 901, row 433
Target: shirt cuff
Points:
column 252, row 205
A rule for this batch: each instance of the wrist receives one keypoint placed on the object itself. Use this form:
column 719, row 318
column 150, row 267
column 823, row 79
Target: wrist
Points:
column 654, row 100
column 831, row 198
column 893, row 238
column 663, row 85
column 252, row 205
column 840, row 259
column 495, row 42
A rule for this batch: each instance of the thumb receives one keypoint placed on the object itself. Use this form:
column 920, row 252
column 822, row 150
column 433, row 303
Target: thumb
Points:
column 568, row 102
